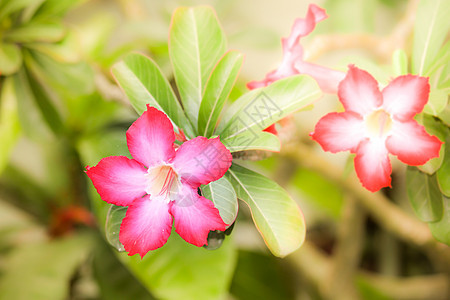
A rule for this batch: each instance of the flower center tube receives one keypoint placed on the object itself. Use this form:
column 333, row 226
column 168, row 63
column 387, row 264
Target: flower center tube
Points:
column 163, row 183
column 378, row 124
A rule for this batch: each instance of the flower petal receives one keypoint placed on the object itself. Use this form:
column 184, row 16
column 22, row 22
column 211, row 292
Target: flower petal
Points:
column 146, row 226
column 372, row 165
column 411, row 143
column 327, row 79
column 150, row 138
column 118, row 179
column 200, row 161
column 359, row 92
column 195, row 216
column 406, row 96
column 339, row 132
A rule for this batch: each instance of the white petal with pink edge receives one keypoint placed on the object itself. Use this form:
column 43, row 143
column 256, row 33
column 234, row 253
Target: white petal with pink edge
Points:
column 359, row 92
column 406, row 96
column 195, row 216
column 150, row 138
column 411, row 143
column 372, row 164
column 146, row 226
column 118, row 179
column 339, row 132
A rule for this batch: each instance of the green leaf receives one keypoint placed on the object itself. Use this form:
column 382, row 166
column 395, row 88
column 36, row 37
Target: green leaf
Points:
column 437, row 102
column 275, row 214
column 8, row 7
column 10, row 58
column 222, row 194
column 400, row 62
column 143, row 83
column 52, row 8
column 441, row 229
column 217, row 89
column 424, row 195
column 434, row 127
column 36, row 32
column 112, row 225
column 9, row 121
column 260, row 108
column 443, row 174
column 430, row 30
column 45, row 267
column 251, row 140
column 196, row 42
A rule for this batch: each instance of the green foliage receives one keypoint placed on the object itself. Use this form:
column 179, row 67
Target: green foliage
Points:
column 222, row 194
column 441, row 229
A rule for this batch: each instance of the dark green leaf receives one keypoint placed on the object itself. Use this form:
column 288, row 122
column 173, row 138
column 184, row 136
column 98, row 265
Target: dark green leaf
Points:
column 443, row 174
column 441, row 229
column 10, row 58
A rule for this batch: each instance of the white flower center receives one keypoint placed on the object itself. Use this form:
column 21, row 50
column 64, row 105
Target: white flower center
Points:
column 378, row 124
column 163, row 183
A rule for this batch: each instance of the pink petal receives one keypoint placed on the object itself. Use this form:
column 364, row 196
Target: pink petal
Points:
column 327, row 79
column 359, row 92
column 150, row 138
column 271, row 129
column 411, row 143
column 118, row 179
column 195, row 216
column 339, row 132
column 200, row 161
column 406, row 96
column 146, row 226
column 372, row 165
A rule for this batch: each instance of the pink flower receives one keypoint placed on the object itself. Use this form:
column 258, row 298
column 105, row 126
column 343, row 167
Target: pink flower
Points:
column 376, row 123
column 160, row 184
column 293, row 62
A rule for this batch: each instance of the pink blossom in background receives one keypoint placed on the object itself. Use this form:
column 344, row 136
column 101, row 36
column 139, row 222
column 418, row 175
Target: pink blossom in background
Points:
column 160, row 184
column 293, row 62
column 376, row 123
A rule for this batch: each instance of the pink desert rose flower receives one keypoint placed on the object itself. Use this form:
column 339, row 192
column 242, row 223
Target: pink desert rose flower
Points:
column 293, row 62
column 376, row 123
column 160, row 184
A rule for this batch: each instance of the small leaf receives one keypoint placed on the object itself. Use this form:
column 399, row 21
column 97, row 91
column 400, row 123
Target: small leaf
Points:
column 441, row 229
column 10, row 58
column 434, row 127
column 222, row 194
column 196, row 42
column 143, row 83
column 443, row 174
column 260, row 108
column 400, row 62
column 112, row 226
column 275, row 214
column 251, row 140
column 424, row 195
column 217, row 89
column 430, row 30
column 36, row 32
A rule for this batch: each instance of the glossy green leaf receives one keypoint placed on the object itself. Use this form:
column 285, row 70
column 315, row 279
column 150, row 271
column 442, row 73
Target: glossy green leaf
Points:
column 260, row 108
column 424, row 195
column 443, row 174
column 430, row 30
column 437, row 102
column 251, row 140
column 36, row 32
column 143, row 83
column 275, row 214
column 441, row 229
column 112, row 226
column 45, row 267
column 10, row 58
column 9, row 121
column 222, row 194
column 196, row 42
column 217, row 89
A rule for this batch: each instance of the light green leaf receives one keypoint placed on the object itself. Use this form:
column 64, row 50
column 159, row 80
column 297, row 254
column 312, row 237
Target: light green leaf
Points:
column 260, row 108
column 9, row 121
column 400, row 62
column 275, row 214
column 10, row 58
column 8, row 7
column 45, row 267
column 196, row 42
column 437, row 102
column 443, row 174
column 112, row 225
column 424, row 195
column 441, row 229
column 36, row 32
column 222, row 194
column 52, row 8
column 251, row 140
column 430, row 30
column 143, row 83
column 433, row 127
column 217, row 89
